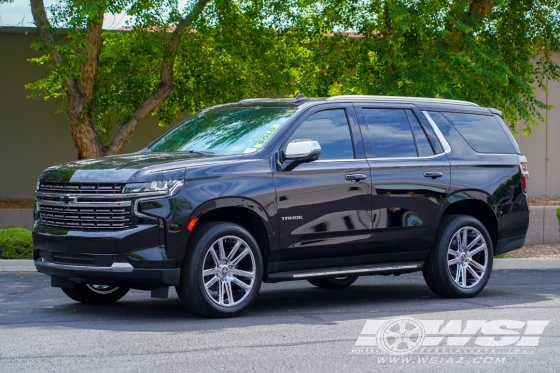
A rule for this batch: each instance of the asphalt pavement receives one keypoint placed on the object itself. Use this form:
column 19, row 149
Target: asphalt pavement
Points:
column 512, row 326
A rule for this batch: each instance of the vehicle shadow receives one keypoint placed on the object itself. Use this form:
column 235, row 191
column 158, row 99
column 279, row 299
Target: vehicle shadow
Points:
column 283, row 303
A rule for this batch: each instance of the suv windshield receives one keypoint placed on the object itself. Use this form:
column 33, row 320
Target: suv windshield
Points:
column 224, row 131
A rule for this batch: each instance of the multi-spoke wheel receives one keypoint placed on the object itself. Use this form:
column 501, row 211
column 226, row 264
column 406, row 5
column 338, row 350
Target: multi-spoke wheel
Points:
column 228, row 271
column 334, row 282
column 467, row 257
column 95, row 294
column 222, row 273
column 461, row 259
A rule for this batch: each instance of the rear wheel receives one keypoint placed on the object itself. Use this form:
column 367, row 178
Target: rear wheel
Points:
column 222, row 273
column 461, row 260
column 334, row 282
column 95, row 294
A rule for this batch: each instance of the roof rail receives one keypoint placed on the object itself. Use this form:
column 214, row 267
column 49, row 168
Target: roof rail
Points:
column 402, row 98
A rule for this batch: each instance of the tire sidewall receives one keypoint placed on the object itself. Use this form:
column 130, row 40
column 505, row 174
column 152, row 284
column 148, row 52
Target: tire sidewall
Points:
column 201, row 248
column 450, row 231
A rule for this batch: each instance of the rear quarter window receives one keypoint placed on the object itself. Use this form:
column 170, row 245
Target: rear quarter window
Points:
column 482, row 132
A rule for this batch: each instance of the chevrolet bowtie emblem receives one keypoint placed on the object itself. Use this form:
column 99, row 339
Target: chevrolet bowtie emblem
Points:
column 66, row 199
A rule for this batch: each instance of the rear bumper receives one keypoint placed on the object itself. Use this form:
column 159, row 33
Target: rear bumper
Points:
column 119, row 274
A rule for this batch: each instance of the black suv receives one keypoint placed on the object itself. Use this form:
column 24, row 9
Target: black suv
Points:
column 272, row 190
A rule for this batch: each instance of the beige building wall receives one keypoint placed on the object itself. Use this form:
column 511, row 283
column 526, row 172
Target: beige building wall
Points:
column 542, row 148
column 33, row 137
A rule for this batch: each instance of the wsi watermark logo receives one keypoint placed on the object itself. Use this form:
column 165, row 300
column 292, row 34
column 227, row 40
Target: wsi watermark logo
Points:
column 405, row 335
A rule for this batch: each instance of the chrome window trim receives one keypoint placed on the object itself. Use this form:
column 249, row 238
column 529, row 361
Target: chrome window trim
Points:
column 441, row 138
column 403, row 158
column 338, row 160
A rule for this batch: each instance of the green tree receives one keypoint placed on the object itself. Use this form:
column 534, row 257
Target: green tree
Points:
column 168, row 60
column 171, row 60
column 493, row 52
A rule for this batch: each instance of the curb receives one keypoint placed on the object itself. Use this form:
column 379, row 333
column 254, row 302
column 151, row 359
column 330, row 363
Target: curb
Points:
column 23, row 265
column 17, row 265
column 527, row 263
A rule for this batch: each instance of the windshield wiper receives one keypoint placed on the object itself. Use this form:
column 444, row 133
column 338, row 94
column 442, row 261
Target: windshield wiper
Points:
column 201, row 152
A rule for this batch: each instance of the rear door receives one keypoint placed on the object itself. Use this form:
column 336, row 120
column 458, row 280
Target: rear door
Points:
column 324, row 206
column 410, row 176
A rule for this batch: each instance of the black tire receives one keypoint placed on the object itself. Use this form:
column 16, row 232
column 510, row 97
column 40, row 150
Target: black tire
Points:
column 437, row 270
column 334, row 282
column 94, row 294
column 192, row 290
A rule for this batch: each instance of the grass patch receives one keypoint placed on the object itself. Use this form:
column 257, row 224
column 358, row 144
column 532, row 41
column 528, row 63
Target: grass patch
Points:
column 16, row 243
column 500, row 256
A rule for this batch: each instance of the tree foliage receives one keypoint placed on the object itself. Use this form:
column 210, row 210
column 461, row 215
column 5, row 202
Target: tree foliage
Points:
column 494, row 53
column 172, row 59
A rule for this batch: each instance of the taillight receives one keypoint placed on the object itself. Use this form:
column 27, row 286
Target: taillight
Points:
column 524, row 172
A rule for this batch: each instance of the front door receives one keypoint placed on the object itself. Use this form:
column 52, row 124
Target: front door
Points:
column 324, row 207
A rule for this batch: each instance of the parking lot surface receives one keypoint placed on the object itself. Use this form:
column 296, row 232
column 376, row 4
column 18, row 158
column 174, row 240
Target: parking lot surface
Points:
column 292, row 327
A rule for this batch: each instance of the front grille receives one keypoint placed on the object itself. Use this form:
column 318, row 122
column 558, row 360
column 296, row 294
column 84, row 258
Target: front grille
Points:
column 86, row 218
column 84, row 207
column 81, row 188
column 73, row 259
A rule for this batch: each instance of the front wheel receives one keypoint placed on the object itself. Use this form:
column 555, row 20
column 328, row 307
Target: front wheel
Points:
column 461, row 260
column 222, row 273
column 334, row 282
column 95, row 294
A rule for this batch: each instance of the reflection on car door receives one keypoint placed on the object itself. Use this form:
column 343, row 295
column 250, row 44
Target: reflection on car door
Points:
column 324, row 206
column 410, row 176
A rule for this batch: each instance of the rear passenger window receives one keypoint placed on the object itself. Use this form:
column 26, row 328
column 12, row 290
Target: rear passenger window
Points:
column 482, row 132
column 390, row 133
column 397, row 133
column 329, row 128
column 424, row 147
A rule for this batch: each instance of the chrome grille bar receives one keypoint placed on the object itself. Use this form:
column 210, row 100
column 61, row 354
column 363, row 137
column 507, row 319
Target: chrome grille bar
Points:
column 81, row 188
column 86, row 207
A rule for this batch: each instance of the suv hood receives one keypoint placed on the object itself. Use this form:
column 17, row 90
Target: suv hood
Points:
column 138, row 167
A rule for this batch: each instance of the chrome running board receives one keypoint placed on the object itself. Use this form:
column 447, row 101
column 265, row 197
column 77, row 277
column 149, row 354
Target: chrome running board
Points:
column 373, row 269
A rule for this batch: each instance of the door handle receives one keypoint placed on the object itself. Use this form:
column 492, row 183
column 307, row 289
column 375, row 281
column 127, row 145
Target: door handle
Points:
column 433, row 175
column 356, row 177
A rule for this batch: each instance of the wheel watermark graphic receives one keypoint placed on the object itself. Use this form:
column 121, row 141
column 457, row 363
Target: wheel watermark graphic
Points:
column 407, row 340
column 401, row 336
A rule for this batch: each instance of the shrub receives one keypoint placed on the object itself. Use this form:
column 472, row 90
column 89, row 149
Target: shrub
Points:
column 558, row 216
column 16, row 243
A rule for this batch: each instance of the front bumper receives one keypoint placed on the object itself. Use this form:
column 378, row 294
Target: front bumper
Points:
column 135, row 258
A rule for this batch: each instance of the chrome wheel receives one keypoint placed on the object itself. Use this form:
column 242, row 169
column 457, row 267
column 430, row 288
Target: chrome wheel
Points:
column 467, row 257
column 102, row 289
column 228, row 271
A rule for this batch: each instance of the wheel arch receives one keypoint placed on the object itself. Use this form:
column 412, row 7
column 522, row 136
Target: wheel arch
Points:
column 479, row 210
column 242, row 211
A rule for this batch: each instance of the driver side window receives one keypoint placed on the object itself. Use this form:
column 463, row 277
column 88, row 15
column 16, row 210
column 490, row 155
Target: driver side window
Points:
column 330, row 129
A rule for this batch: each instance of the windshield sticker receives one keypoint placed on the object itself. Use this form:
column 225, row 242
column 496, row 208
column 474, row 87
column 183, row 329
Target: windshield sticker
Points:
column 264, row 138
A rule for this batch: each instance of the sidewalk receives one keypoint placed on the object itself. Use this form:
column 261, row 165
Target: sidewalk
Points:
column 499, row 264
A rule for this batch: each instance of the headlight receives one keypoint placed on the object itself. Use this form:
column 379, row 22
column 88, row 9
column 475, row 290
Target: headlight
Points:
column 169, row 187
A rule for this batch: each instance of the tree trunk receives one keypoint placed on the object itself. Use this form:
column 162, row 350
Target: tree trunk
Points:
column 80, row 91
column 85, row 137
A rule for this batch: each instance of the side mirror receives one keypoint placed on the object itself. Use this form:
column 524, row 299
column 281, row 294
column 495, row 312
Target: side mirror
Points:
column 301, row 151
